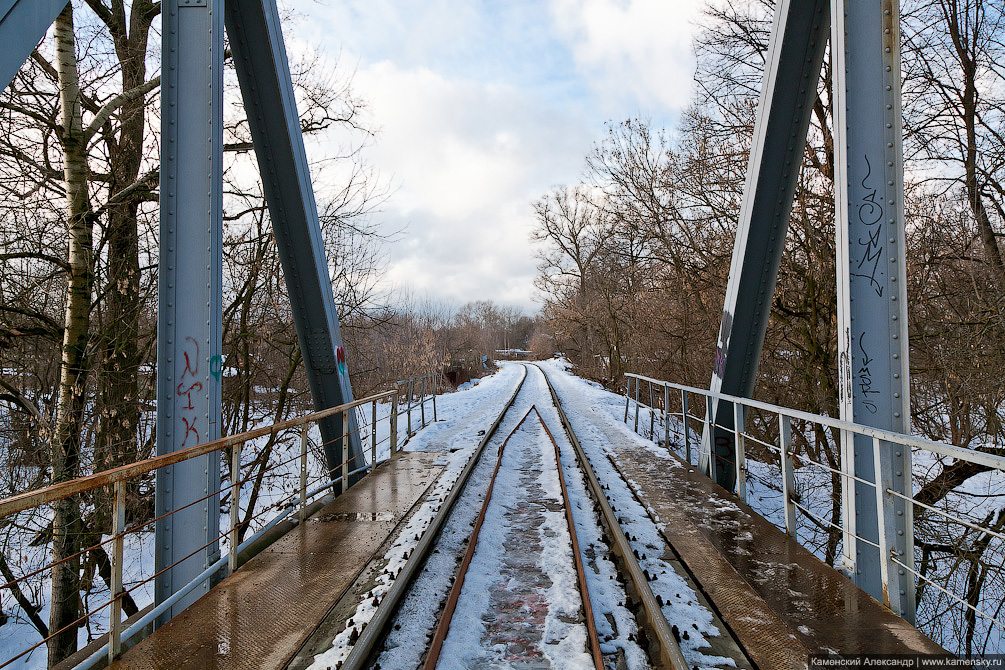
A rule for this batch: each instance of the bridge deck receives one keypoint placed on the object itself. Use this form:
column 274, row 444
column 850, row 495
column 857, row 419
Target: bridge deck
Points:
column 261, row 615
column 781, row 602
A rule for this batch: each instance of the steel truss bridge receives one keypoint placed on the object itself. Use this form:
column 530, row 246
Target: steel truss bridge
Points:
column 877, row 509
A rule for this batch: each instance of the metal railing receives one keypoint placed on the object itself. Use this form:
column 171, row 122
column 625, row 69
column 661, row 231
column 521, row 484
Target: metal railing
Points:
column 416, row 393
column 292, row 454
column 785, row 435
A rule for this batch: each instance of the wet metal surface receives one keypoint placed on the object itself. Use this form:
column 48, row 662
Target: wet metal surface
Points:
column 781, row 601
column 261, row 615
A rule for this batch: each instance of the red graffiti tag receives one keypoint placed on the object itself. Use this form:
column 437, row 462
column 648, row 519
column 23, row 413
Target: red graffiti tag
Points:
column 185, row 391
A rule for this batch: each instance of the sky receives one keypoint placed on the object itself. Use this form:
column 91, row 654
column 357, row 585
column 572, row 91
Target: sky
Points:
column 482, row 106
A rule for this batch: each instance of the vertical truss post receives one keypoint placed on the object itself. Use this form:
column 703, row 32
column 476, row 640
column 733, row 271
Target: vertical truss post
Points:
column 788, row 91
column 190, row 293
column 872, row 275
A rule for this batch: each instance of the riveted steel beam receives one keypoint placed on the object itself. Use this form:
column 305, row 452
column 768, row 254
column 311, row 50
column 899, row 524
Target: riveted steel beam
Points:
column 190, row 293
column 872, row 285
column 263, row 72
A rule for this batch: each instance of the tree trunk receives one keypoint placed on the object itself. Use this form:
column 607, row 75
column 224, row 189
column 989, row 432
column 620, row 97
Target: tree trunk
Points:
column 71, row 403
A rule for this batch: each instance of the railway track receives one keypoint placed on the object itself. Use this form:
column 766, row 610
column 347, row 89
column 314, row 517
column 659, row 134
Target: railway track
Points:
column 547, row 579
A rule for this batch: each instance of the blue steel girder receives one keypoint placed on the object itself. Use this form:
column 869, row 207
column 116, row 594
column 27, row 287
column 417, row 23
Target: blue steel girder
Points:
column 783, row 118
column 872, row 289
column 871, row 272
column 263, row 71
column 23, row 23
column 189, row 314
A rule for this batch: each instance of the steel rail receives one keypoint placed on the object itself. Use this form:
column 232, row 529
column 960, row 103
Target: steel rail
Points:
column 443, row 626
column 591, row 626
column 657, row 628
column 29, row 499
column 374, row 631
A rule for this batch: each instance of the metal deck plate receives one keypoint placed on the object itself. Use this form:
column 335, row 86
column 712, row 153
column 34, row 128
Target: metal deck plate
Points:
column 781, row 601
column 261, row 615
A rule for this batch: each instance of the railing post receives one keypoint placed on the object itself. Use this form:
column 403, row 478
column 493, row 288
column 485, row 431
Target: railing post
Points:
column 666, row 416
column 683, row 418
column 636, row 406
column 788, row 476
column 628, row 395
column 741, row 458
column 652, row 414
column 302, row 513
column 849, row 550
column 422, row 402
column 436, row 382
column 373, row 435
column 409, row 406
column 882, row 540
column 235, row 504
column 118, row 529
column 394, row 421
column 345, row 452
column 713, row 463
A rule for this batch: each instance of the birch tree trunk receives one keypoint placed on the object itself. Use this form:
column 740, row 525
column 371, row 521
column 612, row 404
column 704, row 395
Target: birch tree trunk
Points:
column 72, row 400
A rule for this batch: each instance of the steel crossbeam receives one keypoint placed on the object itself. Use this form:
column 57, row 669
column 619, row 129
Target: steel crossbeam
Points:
column 22, row 24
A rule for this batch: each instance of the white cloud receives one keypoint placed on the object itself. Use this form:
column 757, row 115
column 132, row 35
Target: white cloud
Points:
column 469, row 159
column 640, row 49
column 484, row 106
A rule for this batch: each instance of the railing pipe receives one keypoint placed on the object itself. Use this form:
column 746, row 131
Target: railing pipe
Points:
column 235, row 504
column 652, row 413
column 683, row 418
column 118, row 529
column 436, row 383
column 422, row 402
column 883, row 541
column 373, row 434
column 345, row 452
column 636, row 430
column 707, row 430
column 666, row 416
column 788, row 476
column 29, row 499
column 409, row 405
column 849, row 549
column 741, row 457
column 394, row 423
column 302, row 515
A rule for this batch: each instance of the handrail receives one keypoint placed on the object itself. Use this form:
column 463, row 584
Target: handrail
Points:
column 952, row 451
column 29, row 499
